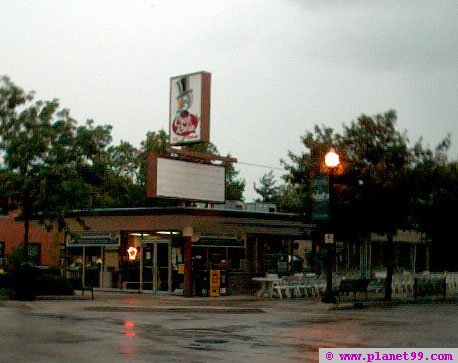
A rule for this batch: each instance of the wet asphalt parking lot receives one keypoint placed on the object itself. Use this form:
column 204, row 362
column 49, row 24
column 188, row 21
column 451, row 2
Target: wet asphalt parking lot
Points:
column 148, row 328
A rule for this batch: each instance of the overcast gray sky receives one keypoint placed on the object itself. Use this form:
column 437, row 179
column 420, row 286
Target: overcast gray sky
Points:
column 278, row 67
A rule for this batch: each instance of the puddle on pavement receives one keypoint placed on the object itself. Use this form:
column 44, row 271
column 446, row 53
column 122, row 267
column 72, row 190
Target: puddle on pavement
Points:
column 211, row 344
column 69, row 338
column 213, row 335
column 229, row 329
column 210, row 341
column 61, row 317
column 294, row 323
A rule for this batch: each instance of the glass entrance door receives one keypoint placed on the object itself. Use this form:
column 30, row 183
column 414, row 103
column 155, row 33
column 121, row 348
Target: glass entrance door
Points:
column 161, row 263
column 156, row 265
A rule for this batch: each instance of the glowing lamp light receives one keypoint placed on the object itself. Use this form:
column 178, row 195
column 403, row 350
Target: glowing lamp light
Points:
column 132, row 252
column 331, row 159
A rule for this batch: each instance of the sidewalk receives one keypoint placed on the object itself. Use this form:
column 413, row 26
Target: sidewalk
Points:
column 123, row 301
column 134, row 301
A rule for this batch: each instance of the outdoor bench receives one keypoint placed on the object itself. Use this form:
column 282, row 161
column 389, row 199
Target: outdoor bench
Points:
column 348, row 286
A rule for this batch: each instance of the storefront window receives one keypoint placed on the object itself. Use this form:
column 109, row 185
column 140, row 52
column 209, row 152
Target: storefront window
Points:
column 214, row 251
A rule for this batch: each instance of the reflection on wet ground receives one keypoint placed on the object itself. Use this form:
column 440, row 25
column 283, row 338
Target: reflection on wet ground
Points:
column 143, row 330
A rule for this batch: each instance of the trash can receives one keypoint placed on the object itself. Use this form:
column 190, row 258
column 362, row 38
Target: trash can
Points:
column 205, row 283
column 201, row 284
column 196, row 266
column 223, row 281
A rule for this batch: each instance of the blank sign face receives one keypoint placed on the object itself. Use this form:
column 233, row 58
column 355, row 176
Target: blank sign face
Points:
column 189, row 180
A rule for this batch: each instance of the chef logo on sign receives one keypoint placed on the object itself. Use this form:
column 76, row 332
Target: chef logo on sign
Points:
column 185, row 123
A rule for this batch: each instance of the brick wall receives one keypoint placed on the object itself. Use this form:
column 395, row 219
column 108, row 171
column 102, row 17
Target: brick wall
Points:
column 12, row 234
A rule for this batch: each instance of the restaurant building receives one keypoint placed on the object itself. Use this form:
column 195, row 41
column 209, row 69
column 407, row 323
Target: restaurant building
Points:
column 144, row 248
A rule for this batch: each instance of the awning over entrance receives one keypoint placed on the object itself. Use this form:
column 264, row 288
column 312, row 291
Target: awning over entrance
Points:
column 210, row 221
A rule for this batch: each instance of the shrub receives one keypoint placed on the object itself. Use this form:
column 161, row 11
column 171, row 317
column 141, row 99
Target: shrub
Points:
column 53, row 285
column 23, row 281
column 4, row 281
column 27, row 282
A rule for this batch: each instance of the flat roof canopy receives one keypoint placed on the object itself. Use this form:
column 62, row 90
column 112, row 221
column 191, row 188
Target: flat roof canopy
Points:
column 176, row 218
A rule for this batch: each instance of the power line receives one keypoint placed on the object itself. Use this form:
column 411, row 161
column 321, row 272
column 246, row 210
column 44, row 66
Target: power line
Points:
column 261, row 166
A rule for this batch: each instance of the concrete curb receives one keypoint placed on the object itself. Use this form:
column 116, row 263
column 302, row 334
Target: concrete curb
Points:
column 393, row 303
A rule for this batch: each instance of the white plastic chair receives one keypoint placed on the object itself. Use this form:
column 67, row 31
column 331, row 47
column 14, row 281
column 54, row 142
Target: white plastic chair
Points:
column 286, row 285
column 451, row 281
column 295, row 286
column 275, row 289
column 321, row 281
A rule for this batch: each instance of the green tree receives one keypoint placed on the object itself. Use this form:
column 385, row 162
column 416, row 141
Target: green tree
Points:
column 124, row 160
column 204, row 147
column 4, row 195
column 235, row 186
column 371, row 188
column 378, row 157
column 126, row 163
column 112, row 172
column 36, row 141
column 268, row 190
column 94, row 164
column 290, row 199
column 442, row 218
column 156, row 142
column 435, row 181
column 60, row 186
column 302, row 168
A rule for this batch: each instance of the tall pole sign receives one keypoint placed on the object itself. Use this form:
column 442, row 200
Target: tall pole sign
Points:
column 189, row 121
column 320, row 199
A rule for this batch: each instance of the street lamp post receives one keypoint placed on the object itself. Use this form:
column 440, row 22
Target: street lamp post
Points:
column 332, row 162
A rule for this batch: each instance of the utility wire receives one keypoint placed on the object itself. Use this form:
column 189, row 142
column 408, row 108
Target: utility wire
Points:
column 261, row 166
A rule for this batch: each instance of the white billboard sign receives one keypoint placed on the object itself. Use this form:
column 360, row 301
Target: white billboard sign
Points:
column 190, row 108
column 187, row 180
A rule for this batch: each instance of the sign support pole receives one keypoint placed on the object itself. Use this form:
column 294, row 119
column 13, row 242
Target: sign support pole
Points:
column 83, row 282
column 140, row 287
column 187, row 268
